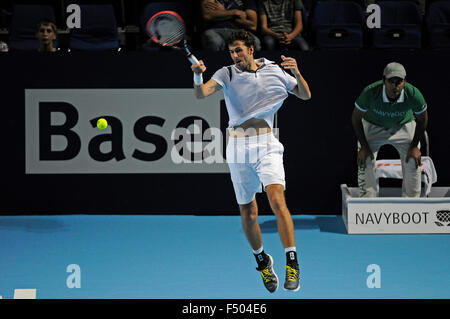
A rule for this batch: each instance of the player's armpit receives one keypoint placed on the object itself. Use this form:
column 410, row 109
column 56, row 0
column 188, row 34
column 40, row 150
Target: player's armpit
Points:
column 207, row 89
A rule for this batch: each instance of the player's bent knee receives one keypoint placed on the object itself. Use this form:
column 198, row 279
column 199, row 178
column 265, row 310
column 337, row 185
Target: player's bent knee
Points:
column 279, row 208
column 278, row 203
column 249, row 217
column 249, row 212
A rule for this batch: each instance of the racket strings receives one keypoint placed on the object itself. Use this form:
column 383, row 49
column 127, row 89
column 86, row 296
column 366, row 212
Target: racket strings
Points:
column 175, row 37
column 167, row 29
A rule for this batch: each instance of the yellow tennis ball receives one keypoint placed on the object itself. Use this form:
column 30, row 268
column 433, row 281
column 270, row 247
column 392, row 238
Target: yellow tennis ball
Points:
column 102, row 124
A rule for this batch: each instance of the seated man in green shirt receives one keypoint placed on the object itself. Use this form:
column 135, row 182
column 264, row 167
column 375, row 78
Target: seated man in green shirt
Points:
column 390, row 111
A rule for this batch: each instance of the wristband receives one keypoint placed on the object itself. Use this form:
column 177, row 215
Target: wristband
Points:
column 198, row 79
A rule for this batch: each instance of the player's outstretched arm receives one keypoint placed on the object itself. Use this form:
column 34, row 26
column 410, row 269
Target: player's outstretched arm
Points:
column 202, row 90
column 302, row 89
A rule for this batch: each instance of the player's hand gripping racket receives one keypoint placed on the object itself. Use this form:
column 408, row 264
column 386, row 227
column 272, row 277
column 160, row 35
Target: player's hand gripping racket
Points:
column 167, row 29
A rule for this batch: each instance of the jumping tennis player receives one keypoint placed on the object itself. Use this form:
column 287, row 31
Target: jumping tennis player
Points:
column 254, row 90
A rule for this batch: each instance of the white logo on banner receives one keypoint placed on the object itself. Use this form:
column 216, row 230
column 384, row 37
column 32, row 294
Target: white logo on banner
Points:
column 374, row 19
column 74, row 19
column 141, row 137
column 74, row 279
column 374, row 279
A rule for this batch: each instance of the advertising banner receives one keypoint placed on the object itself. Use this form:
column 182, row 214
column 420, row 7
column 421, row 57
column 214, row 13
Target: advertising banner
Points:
column 148, row 131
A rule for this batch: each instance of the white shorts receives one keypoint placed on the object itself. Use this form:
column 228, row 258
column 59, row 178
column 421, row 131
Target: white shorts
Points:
column 254, row 160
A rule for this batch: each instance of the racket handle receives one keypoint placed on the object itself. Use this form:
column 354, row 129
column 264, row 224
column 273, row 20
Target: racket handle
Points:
column 192, row 59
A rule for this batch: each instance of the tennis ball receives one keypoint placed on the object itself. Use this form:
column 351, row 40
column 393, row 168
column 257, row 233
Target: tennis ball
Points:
column 102, row 124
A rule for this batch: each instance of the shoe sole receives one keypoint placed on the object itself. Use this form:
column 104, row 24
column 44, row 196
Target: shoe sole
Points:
column 293, row 290
column 278, row 282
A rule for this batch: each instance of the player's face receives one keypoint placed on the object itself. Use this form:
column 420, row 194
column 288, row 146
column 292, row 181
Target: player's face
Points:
column 241, row 54
column 46, row 34
column 394, row 87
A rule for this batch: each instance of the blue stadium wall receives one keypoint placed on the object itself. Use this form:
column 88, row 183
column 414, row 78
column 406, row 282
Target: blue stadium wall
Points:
column 320, row 147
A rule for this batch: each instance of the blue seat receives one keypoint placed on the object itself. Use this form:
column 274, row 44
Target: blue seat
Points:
column 24, row 23
column 337, row 24
column 438, row 24
column 183, row 8
column 401, row 25
column 98, row 29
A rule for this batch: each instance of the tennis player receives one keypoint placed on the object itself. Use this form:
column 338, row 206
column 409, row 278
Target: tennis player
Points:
column 254, row 90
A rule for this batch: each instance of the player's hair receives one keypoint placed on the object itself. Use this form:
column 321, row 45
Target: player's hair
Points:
column 241, row 35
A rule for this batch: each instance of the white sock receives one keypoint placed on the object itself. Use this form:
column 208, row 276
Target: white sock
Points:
column 256, row 252
column 286, row 250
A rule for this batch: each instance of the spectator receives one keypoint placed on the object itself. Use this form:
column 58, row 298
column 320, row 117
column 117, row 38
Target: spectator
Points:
column 3, row 47
column 223, row 16
column 281, row 24
column 393, row 112
column 46, row 35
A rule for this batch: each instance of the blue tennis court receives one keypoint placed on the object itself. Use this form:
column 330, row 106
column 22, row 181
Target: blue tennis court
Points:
column 208, row 257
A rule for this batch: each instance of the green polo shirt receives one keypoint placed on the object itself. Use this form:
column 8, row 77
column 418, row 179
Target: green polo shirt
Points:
column 380, row 111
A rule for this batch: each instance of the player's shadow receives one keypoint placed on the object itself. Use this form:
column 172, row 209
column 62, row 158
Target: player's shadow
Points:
column 326, row 223
column 32, row 224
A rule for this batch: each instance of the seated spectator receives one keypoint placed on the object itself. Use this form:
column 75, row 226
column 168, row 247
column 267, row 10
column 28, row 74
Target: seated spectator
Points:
column 4, row 47
column 46, row 34
column 221, row 17
column 281, row 24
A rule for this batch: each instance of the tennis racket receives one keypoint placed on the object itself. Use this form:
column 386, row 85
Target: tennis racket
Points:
column 167, row 29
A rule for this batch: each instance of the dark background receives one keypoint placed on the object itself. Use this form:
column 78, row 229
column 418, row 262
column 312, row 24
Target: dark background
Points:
column 320, row 147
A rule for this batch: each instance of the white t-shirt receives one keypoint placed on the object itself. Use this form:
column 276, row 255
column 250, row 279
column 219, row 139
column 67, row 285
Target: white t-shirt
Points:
column 256, row 94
